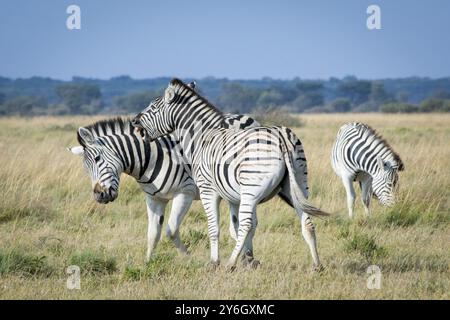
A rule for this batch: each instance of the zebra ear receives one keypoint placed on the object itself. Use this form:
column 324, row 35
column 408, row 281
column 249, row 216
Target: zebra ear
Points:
column 78, row 150
column 380, row 163
column 85, row 137
column 192, row 85
column 169, row 95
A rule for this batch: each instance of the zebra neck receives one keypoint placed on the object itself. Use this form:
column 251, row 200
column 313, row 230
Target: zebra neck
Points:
column 371, row 166
column 193, row 126
column 133, row 161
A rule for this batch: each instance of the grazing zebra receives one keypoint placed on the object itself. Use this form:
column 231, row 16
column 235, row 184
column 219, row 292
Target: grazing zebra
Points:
column 361, row 154
column 110, row 147
column 244, row 167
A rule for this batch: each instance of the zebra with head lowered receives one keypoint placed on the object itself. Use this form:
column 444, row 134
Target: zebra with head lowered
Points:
column 244, row 167
column 113, row 146
column 361, row 154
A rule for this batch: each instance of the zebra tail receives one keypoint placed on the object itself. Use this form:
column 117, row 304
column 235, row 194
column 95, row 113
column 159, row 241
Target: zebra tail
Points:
column 298, row 198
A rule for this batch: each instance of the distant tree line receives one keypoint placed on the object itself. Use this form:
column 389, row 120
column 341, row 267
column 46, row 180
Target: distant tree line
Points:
column 124, row 95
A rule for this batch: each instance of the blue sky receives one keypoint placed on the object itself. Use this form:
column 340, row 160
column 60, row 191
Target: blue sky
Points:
column 234, row 39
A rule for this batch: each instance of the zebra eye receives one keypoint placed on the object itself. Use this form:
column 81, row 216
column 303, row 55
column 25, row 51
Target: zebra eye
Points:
column 97, row 158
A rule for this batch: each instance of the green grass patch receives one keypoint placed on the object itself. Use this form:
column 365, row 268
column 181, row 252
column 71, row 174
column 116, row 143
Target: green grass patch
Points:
column 194, row 237
column 157, row 267
column 409, row 214
column 10, row 213
column 21, row 263
column 365, row 245
column 417, row 263
column 93, row 263
column 196, row 216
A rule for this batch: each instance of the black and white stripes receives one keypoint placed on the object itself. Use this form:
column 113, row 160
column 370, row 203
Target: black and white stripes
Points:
column 113, row 146
column 361, row 154
column 243, row 167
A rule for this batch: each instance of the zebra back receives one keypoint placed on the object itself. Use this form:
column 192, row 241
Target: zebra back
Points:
column 358, row 145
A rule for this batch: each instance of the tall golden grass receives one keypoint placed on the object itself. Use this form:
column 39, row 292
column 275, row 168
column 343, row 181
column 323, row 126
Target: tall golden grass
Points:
column 49, row 220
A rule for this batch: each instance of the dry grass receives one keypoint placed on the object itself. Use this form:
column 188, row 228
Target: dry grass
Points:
column 48, row 220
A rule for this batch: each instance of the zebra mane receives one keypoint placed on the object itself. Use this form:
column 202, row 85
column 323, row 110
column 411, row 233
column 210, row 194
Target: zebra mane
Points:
column 378, row 136
column 117, row 125
column 179, row 83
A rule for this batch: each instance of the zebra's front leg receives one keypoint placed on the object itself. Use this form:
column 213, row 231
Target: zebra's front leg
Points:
column 180, row 206
column 366, row 193
column 348, row 184
column 247, row 257
column 155, row 213
column 211, row 200
column 247, row 212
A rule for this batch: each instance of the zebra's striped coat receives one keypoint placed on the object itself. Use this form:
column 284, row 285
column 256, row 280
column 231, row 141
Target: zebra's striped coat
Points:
column 243, row 167
column 113, row 146
column 361, row 154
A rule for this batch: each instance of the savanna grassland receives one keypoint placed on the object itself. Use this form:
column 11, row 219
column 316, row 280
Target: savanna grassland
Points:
column 49, row 220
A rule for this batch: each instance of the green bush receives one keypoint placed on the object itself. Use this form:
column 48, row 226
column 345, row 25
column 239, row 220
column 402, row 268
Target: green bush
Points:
column 194, row 237
column 396, row 107
column 93, row 263
column 24, row 264
column 435, row 105
column 364, row 245
column 273, row 116
column 157, row 267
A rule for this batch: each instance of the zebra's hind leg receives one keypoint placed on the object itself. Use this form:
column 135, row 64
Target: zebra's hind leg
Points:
column 348, row 184
column 234, row 222
column 247, row 212
column 155, row 213
column 366, row 192
column 309, row 234
column 247, row 257
column 210, row 201
column 180, row 206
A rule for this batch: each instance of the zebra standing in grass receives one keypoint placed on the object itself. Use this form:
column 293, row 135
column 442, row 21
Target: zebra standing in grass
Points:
column 361, row 154
column 113, row 146
column 244, row 167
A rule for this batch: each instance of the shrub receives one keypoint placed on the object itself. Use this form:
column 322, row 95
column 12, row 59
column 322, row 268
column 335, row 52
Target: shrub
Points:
column 340, row 105
column 24, row 264
column 273, row 116
column 435, row 105
column 155, row 268
column 364, row 245
column 93, row 263
column 396, row 107
column 194, row 237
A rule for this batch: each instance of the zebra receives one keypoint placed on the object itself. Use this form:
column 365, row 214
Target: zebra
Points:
column 110, row 147
column 244, row 167
column 361, row 154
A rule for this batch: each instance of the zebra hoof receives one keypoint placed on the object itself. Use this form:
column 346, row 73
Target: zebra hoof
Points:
column 185, row 253
column 254, row 264
column 318, row 268
column 230, row 267
column 251, row 263
column 212, row 265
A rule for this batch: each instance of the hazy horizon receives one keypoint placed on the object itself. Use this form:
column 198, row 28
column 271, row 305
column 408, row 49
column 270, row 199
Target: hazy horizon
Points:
column 234, row 40
column 219, row 78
